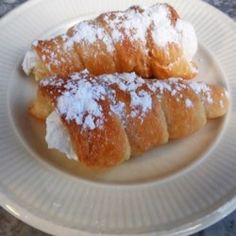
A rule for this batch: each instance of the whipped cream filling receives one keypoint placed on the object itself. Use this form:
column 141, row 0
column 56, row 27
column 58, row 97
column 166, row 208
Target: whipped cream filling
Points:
column 189, row 38
column 57, row 137
column 29, row 62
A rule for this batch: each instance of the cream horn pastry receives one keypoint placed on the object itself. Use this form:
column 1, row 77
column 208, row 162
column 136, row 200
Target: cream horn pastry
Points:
column 108, row 118
column 152, row 42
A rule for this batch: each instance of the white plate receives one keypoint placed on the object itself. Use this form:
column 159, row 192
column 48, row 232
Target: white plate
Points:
column 176, row 189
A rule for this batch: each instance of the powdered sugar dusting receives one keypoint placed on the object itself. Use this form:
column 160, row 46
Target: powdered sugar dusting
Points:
column 88, row 32
column 52, row 55
column 135, row 22
column 163, row 31
column 188, row 103
column 125, row 81
column 80, row 102
column 119, row 109
column 83, row 94
column 141, row 101
column 52, row 81
column 132, row 25
column 199, row 87
column 160, row 86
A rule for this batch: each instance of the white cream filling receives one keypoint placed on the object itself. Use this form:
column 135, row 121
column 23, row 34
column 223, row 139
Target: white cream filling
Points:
column 29, row 62
column 189, row 38
column 57, row 136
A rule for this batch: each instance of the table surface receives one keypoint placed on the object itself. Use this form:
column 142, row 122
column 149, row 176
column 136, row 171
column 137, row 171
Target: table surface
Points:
column 10, row 226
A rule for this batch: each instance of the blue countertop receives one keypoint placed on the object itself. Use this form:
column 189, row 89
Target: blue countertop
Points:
column 10, row 226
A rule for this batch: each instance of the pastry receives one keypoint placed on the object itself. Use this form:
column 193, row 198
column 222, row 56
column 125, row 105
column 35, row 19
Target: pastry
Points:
column 105, row 119
column 152, row 42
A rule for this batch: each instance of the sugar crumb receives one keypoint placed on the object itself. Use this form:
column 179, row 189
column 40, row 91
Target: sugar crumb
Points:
column 188, row 103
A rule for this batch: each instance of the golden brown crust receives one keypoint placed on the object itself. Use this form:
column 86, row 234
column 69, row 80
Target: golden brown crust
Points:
column 169, row 62
column 151, row 132
column 219, row 104
column 173, row 14
column 129, row 55
column 95, row 56
column 100, row 148
column 41, row 107
column 183, row 120
column 56, row 59
column 143, row 134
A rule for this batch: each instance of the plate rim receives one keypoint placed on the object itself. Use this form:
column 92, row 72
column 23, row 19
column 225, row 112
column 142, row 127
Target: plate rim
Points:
column 51, row 227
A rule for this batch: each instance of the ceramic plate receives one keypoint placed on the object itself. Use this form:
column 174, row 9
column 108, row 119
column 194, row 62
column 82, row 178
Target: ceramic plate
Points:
column 176, row 189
